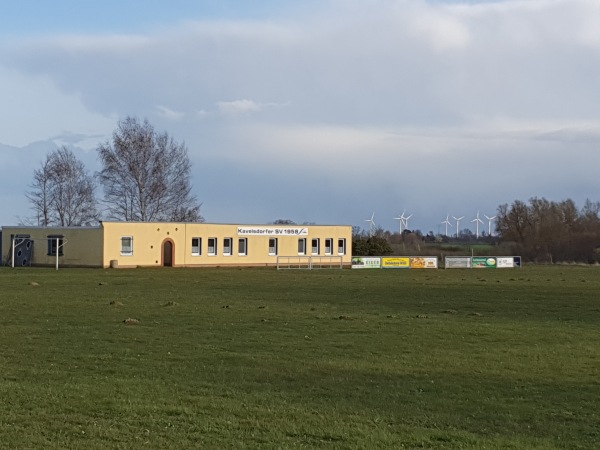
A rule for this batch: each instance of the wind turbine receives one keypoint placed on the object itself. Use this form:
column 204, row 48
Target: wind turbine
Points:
column 458, row 219
column 401, row 219
column 477, row 221
column 447, row 222
column 371, row 224
column 490, row 220
column 406, row 221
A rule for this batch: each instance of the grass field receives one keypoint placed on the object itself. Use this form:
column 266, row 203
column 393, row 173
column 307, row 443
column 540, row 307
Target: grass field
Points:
column 259, row 358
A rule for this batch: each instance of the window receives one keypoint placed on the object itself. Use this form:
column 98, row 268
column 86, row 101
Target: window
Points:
column 302, row 246
column 127, row 245
column 273, row 246
column 196, row 246
column 55, row 243
column 315, row 244
column 227, row 246
column 341, row 246
column 329, row 246
column 212, row 246
column 243, row 246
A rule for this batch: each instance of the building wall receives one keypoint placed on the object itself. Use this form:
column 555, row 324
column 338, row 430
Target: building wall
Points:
column 148, row 241
column 103, row 246
column 82, row 246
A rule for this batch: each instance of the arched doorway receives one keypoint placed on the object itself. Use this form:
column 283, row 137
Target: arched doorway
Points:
column 168, row 253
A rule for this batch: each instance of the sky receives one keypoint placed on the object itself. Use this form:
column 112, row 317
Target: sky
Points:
column 325, row 112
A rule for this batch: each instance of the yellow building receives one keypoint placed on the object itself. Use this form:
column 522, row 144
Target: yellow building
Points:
column 147, row 244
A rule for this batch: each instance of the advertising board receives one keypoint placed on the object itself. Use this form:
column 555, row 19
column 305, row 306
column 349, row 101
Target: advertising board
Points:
column 457, row 262
column 395, row 263
column 483, row 262
column 424, row 263
column 366, row 262
column 505, row 262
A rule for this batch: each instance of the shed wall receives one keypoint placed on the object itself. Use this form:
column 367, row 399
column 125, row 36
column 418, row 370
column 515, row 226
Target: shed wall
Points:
column 82, row 245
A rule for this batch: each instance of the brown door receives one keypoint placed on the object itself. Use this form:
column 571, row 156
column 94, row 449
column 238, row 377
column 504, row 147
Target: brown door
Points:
column 167, row 253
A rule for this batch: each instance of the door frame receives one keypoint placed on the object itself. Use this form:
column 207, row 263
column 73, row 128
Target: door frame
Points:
column 162, row 252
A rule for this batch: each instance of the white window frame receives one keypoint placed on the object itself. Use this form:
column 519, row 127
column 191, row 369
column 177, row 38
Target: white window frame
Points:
column 273, row 248
column 125, row 252
column 198, row 251
column 329, row 248
column 302, row 251
column 342, row 247
column 312, row 246
column 214, row 246
column 245, row 246
column 227, row 249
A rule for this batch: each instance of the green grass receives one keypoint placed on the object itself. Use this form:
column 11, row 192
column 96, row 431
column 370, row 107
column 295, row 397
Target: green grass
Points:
column 256, row 358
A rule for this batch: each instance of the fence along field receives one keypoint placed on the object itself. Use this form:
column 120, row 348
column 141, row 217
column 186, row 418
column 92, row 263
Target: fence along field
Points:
column 259, row 358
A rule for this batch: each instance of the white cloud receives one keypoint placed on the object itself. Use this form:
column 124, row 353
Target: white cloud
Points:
column 236, row 107
column 442, row 28
column 168, row 113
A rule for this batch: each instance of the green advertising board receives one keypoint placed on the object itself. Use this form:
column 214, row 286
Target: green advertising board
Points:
column 483, row 262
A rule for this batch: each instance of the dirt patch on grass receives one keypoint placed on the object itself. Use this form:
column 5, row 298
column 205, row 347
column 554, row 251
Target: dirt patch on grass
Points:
column 130, row 321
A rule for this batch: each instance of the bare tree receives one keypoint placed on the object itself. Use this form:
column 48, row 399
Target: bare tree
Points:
column 146, row 176
column 39, row 195
column 62, row 192
column 548, row 231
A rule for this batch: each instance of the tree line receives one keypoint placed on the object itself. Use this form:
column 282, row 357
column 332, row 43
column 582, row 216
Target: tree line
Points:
column 548, row 231
column 145, row 176
column 539, row 230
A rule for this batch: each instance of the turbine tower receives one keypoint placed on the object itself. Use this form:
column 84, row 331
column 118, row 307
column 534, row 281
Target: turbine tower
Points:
column 477, row 221
column 401, row 219
column 458, row 219
column 490, row 220
column 371, row 224
column 447, row 222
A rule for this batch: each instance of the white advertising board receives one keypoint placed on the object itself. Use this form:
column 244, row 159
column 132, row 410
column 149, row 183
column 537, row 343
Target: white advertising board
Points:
column 505, row 262
column 457, row 262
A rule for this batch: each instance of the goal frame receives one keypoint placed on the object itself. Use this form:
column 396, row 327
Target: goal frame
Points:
column 17, row 239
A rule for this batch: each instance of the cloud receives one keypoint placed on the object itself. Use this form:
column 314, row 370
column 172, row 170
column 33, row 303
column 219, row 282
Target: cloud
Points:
column 442, row 28
column 238, row 107
column 39, row 109
column 379, row 104
column 169, row 113
column 245, row 106
column 398, row 62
